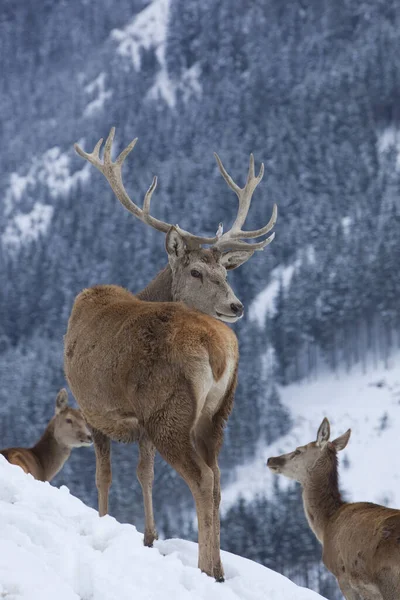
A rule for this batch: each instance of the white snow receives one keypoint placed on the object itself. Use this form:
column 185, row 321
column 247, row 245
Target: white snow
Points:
column 148, row 30
column 389, row 138
column 369, row 404
column 264, row 303
column 53, row 546
column 28, row 225
column 97, row 86
column 52, row 170
column 346, row 224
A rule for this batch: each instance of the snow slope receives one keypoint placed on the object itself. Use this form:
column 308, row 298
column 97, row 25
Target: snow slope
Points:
column 367, row 403
column 52, row 545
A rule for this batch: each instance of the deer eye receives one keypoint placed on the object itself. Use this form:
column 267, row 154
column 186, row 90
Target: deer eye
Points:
column 195, row 273
column 69, row 421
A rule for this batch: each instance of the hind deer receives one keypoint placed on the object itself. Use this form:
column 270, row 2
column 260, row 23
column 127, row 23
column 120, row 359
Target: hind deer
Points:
column 66, row 430
column 160, row 367
column 361, row 540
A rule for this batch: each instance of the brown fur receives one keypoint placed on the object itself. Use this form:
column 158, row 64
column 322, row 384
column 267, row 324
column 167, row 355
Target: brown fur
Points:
column 47, row 457
column 162, row 374
column 361, row 540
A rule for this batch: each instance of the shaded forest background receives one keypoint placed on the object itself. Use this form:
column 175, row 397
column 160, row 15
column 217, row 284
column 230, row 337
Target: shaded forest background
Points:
column 312, row 88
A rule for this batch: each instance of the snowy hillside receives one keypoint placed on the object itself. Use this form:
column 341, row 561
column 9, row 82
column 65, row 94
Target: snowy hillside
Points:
column 367, row 403
column 51, row 543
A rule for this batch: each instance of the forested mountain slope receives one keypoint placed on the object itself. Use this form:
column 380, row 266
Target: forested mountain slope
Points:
column 311, row 87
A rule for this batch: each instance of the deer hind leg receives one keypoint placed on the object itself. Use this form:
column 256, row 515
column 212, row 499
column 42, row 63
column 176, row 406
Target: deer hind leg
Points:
column 208, row 440
column 170, row 432
column 389, row 584
column 145, row 474
column 102, row 448
column 348, row 591
column 368, row 591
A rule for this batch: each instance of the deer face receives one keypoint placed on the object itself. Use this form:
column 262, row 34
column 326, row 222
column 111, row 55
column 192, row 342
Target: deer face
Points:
column 211, row 293
column 301, row 462
column 70, row 428
column 199, row 278
column 295, row 465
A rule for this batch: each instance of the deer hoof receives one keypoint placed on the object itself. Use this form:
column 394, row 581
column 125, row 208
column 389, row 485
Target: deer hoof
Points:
column 149, row 537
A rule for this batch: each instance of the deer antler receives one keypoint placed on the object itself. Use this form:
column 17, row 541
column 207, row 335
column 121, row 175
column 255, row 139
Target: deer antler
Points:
column 231, row 240
column 112, row 171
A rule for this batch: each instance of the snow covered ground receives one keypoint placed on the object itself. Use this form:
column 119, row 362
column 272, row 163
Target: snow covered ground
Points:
column 53, row 546
column 367, row 403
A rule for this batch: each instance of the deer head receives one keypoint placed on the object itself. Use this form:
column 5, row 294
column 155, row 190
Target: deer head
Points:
column 198, row 273
column 300, row 463
column 70, row 428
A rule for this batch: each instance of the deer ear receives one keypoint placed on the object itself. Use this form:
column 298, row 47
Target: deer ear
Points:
column 341, row 442
column 61, row 400
column 234, row 258
column 324, row 433
column 175, row 244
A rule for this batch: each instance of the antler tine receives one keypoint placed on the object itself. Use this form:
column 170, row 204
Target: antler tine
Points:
column 92, row 157
column 112, row 171
column 232, row 238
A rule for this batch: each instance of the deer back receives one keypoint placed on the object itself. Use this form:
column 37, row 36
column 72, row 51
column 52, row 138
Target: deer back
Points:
column 130, row 355
column 26, row 459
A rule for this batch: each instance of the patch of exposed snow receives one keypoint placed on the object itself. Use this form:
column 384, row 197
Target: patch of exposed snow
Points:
column 149, row 30
column 389, row 138
column 97, row 86
column 52, row 545
column 346, row 224
column 52, row 170
column 188, row 86
column 28, row 226
column 264, row 303
column 163, row 88
column 367, row 403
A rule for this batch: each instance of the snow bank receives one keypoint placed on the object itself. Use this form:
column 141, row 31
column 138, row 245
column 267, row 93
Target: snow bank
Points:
column 367, row 403
column 53, row 546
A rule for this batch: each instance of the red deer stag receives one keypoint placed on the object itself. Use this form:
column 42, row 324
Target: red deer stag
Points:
column 160, row 367
column 361, row 540
column 66, row 430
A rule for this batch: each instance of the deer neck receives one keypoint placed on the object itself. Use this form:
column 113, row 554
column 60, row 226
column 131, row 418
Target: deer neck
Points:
column 321, row 495
column 159, row 288
column 50, row 453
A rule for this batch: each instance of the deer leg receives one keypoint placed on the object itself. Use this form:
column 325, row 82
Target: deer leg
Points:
column 348, row 592
column 199, row 477
column 389, row 583
column 208, row 438
column 145, row 474
column 102, row 448
column 368, row 591
column 172, row 438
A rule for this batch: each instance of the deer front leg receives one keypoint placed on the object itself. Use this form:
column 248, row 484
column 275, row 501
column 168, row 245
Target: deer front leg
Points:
column 102, row 448
column 145, row 474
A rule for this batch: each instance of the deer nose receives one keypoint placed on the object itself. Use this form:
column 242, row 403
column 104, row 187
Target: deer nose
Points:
column 237, row 308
